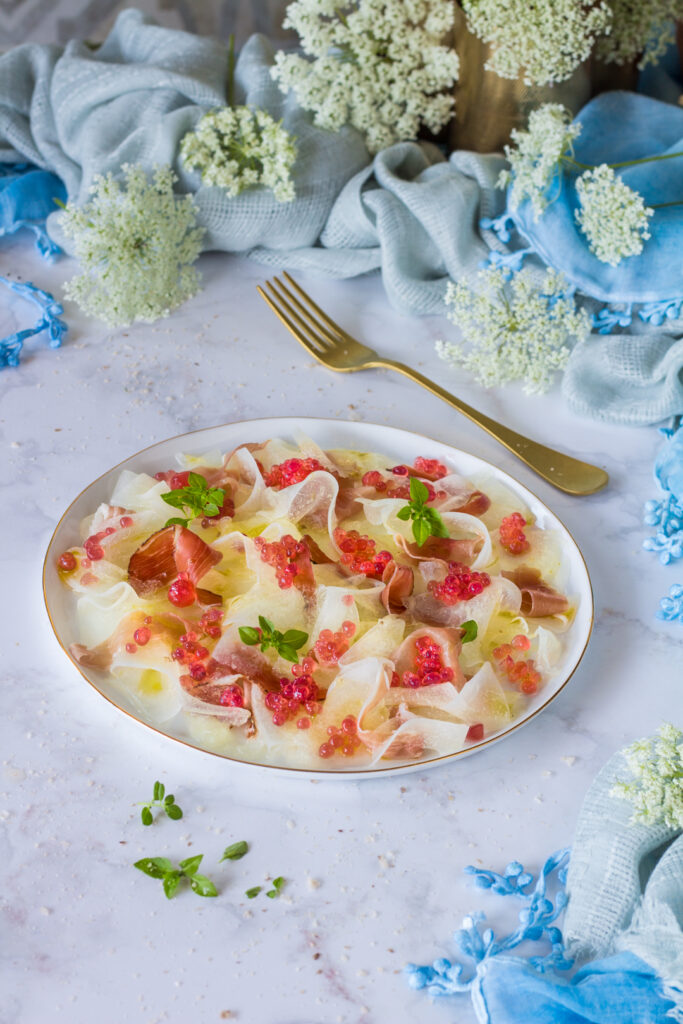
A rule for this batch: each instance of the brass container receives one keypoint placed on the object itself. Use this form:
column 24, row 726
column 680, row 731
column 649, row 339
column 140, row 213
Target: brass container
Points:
column 488, row 107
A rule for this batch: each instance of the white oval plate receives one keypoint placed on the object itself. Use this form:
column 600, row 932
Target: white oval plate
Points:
column 399, row 445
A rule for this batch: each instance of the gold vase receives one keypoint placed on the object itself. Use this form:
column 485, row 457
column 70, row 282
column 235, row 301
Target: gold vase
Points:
column 488, row 107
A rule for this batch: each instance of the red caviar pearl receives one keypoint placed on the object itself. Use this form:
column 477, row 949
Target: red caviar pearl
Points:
column 432, row 468
column 93, row 549
column 460, row 584
column 511, row 533
column 326, row 750
column 291, row 471
column 67, row 562
column 142, row 635
column 125, row 521
column 475, row 732
column 232, row 697
column 303, row 723
column 182, row 593
column 198, row 671
column 131, row 648
column 521, row 642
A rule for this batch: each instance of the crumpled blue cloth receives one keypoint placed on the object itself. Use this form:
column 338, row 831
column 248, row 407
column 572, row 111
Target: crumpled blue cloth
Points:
column 624, row 916
column 410, row 212
column 27, row 196
column 619, row 126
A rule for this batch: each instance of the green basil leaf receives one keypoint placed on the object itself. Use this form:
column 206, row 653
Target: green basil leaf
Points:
column 196, row 482
column 174, row 812
column 176, row 522
column 436, row 524
column 146, row 815
column 203, row 886
column 217, row 495
column 159, row 790
column 272, row 893
column 236, row 851
column 469, row 631
column 295, row 638
column 404, row 513
column 266, row 625
column 421, row 531
column 254, row 891
column 278, row 882
column 170, row 799
column 288, row 653
column 171, row 883
column 190, row 865
column 211, row 509
column 175, row 498
column 249, row 635
column 155, row 867
column 418, row 491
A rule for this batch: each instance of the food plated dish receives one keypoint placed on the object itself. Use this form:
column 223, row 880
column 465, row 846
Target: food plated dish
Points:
column 328, row 597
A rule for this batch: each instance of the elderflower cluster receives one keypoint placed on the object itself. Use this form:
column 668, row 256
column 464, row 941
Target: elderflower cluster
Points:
column 656, row 786
column 136, row 246
column 237, row 148
column 640, row 29
column 514, row 331
column 375, row 64
column 536, row 157
column 544, row 41
column 612, row 216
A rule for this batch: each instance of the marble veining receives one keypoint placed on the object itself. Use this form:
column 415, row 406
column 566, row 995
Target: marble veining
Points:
column 374, row 869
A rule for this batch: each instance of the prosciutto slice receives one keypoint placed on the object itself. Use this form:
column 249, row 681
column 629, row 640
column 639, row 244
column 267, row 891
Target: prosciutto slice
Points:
column 398, row 585
column 166, row 554
column 444, row 549
column 538, row 598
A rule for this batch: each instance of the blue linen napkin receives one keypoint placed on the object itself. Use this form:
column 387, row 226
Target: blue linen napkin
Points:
column 27, row 196
column 624, row 900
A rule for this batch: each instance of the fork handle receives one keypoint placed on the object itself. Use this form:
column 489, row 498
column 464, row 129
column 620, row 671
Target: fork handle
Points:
column 562, row 471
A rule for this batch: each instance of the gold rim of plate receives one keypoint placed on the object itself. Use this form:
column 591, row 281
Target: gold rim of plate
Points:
column 322, row 772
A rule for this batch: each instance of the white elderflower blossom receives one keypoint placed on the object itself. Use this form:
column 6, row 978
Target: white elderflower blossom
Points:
column 237, row 148
column 544, row 41
column 136, row 246
column 375, row 64
column 515, row 331
column 612, row 216
column 639, row 29
column 656, row 786
column 536, row 155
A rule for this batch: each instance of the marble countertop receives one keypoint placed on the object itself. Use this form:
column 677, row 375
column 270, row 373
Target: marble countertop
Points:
column 374, row 869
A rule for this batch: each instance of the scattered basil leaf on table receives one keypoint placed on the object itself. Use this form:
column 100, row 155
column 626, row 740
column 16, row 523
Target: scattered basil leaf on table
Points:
column 236, row 851
column 163, row 800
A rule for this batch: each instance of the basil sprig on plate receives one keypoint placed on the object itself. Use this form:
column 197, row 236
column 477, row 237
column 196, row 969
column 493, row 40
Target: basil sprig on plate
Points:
column 197, row 499
column 286, row 644
column 426, row 521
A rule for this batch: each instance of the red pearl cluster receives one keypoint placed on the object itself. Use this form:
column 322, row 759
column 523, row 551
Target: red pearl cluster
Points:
column 177, row 481
column 292, row 471
column 460, row 584
column 191, row 651
column 330, row 646
column 386, row 487
column 343, row 739
column 232, row 697
column 432, row 468
column 358, row 553
column 512, row 536
column 182, row 592
column 141, row 636
column 281, row 555
column 522, row 673
column 92, row 546
column 429, row 667
column 295, row 695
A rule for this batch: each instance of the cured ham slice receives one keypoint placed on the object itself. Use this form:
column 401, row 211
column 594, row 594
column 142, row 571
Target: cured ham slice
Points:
column 448, row 640
column 398, row 585
column 166, row 554
column 538, row 598
column 445, row 549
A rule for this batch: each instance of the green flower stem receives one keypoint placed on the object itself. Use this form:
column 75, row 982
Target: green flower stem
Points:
column 572, row 163
column 660, row 206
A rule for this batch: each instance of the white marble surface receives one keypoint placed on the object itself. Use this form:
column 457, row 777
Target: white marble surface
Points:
column 374, row 869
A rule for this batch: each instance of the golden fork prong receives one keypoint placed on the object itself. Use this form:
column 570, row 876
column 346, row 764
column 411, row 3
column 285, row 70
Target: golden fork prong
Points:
column 294, row 323
column 316, row 308
column 328, row 339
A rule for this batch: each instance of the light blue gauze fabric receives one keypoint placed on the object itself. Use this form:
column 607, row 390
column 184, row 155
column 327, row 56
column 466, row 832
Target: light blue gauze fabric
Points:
column 624, row 899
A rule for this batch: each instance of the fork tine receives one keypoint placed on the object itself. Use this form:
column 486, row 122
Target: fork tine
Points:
column 328, row 339
column 303, row 334
column 315, row 307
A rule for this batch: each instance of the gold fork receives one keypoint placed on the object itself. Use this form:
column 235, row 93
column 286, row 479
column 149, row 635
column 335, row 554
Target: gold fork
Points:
column 334, row 348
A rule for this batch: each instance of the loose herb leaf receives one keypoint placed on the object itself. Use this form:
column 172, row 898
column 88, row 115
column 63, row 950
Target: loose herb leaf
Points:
column 236, row 851
column 469, row 631
column 426, row 521
column 254, row 891
column 161, row 867
column 286, row 644
column 160, row 799
column 189, row 866
column 155, row 867
column 196, row 499
column 170, row 883
column 203, row 886
column 277, row 886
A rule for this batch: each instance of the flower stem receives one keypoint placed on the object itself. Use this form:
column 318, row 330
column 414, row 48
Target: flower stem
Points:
column 572, row 163
column 231, row 70
column 674, row 202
